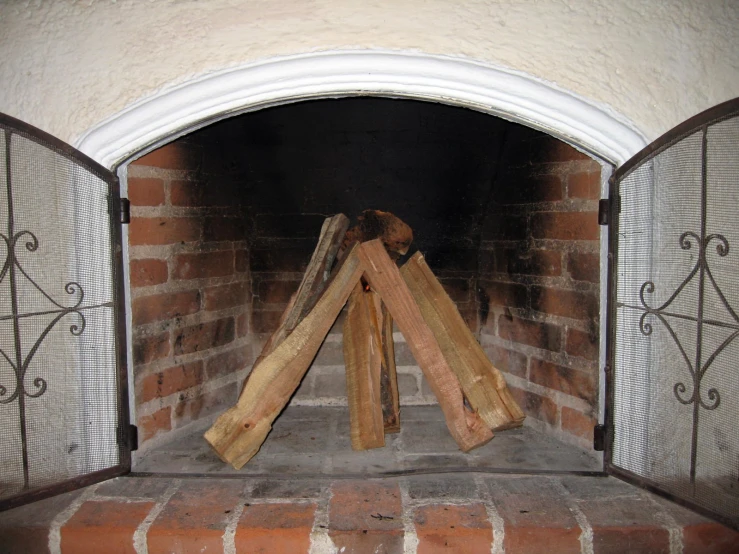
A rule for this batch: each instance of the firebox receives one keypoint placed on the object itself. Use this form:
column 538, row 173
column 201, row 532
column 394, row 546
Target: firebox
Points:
column 191, row 272
column 224, row 220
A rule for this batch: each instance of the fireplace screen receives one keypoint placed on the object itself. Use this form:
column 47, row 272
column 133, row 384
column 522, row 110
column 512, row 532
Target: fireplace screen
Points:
column 675, row 387
column 60, row 408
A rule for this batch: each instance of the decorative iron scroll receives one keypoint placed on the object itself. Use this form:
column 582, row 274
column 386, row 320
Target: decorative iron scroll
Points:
column 12, row 273
column 698, row 365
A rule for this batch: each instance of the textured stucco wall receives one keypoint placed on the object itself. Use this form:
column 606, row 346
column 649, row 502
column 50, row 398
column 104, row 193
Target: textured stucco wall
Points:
column 67, row 65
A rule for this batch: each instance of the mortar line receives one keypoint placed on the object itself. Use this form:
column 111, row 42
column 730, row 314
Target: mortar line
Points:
column 586, row 530
column 320, row 541
column 229, row 533
column 674, row 529
column 410, row 537
column 55, row 527
column 496, row 521
column 139, row 536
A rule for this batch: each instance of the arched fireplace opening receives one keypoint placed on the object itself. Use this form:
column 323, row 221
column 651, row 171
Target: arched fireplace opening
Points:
column 224, row 221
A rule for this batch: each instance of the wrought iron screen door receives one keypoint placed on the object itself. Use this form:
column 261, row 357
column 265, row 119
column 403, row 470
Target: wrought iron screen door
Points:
column 673, row 347
column 62, row 383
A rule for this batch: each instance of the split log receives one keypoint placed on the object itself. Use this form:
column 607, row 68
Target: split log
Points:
column 363, row 360
column 390, row 229
column 388, row 376
column 313, row 283
column 238, row 433
column 466, row 426
column 482, row 383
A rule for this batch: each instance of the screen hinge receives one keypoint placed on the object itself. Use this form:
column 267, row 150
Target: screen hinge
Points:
column 125, row 210
column 599, row 438
column 133, row 438
column 605, row 211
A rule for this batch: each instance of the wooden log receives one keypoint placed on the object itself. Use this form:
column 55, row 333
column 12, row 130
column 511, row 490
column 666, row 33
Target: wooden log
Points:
column 238, row 433
column 395, row 234
column 388, row 376
column 363, row 360
column 482, row 383
column 313, row 283
column 465, row 425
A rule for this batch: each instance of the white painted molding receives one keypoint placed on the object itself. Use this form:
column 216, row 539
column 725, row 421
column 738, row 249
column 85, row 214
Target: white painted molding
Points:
column 511, row 95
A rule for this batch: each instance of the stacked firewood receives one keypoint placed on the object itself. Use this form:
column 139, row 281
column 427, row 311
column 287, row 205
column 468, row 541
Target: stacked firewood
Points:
column 471, row 392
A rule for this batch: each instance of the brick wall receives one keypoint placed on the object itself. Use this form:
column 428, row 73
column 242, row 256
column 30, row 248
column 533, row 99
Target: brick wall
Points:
column 190, row 288
column 539, row 277
column 224, row 223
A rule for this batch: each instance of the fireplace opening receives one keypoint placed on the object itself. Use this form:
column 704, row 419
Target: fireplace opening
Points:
column 224, row 221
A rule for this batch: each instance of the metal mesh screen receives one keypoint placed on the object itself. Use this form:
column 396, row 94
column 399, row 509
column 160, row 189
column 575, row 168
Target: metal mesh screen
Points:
column 59, row 403
column 676, row 391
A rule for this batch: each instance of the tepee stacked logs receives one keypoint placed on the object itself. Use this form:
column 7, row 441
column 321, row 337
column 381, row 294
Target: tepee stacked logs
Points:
column 471, row 392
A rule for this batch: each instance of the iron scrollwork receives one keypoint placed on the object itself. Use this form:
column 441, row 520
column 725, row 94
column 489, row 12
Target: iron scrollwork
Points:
column 698, row 364
column 13, row 274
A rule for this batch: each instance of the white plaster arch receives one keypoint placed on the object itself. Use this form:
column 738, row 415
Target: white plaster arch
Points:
column 511, row 95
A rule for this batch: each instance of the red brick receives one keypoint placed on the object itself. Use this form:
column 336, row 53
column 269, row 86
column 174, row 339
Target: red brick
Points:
column 535, row 515
column 634, row 539
column 266, row 528
column 577, row 423
column 582, row 345
column 565, row 303
column 163, row 230
column 457, row 289
column 242, row 261
column 264, row 321
column 276, row 292
column 160, row 307
column 204, row 336
column 709, row 538
column 545, row 263
column 585, row 184
column 502, row 294
column 536, row 406
column 224, row 229
column 171, row 380
column 194, row 519
column 227, row 296
column 354, row 516
column 148, row 349
column 175, row 155
column 584, row 267
column 565, row 225
column 471, row 317
column 293, row 258
column 228, row 362
column 626, row 523
column 145, row 192
column 26, row 529
column 188, row 409
column 533, row 333
column 558, row 151
column 452, row 528
column 203, row 265
column 149, row 426
column 503, row 226
column 104, row 526
column 145, row 273
column 570, row 381
column 242, row 325
column 507, row 360
column 521, row 187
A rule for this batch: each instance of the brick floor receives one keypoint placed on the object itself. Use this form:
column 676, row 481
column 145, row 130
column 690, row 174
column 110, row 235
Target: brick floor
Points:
column 462, row 513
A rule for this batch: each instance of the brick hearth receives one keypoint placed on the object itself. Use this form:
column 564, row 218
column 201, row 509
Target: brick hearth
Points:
column 466, row 513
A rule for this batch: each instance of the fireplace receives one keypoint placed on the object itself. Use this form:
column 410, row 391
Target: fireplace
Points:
column 224, row 220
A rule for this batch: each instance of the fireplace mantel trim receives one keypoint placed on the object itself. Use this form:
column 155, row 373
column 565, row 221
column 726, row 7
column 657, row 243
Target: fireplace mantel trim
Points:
column 512, row 95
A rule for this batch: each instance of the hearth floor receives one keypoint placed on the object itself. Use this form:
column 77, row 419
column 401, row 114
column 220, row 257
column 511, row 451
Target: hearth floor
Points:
column 314, row 441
